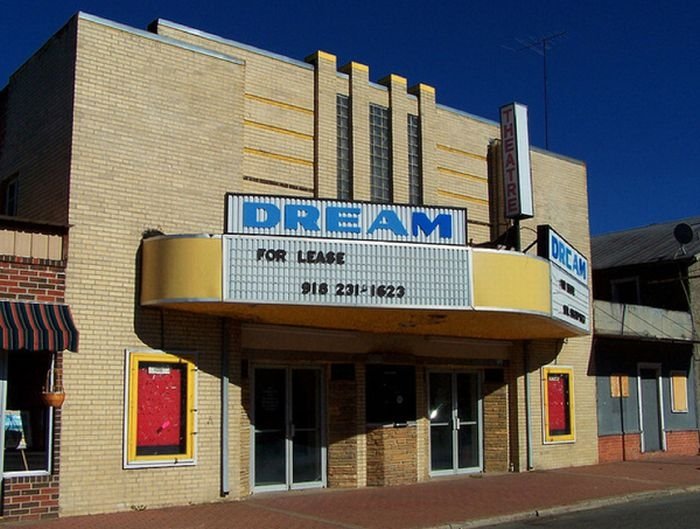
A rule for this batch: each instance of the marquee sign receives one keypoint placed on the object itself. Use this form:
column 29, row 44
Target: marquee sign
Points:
column 569, row 278
column 296, row 271
column 301, row 251
column 310, row 252
column 332, row 219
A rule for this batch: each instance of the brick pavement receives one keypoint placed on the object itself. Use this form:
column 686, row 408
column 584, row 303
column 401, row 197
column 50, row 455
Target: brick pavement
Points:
column 460, row 501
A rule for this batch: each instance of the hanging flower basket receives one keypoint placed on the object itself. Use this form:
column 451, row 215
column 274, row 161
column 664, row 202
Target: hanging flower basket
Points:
column 53, row 398
column 52, row 393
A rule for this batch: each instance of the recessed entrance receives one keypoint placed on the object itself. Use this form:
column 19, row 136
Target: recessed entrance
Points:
column 287, row 450
column 454, row 408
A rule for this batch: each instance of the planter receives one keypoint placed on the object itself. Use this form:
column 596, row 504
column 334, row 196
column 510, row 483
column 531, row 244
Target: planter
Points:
column 53, row 398
column 53, row 394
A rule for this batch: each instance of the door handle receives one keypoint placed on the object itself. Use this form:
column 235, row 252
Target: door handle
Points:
column 292, row 429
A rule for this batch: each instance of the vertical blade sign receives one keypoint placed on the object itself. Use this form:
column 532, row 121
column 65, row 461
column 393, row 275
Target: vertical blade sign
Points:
column 515, row 143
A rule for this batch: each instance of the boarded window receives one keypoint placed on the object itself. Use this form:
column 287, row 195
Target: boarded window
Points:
column 679, row 392
column 619, row 385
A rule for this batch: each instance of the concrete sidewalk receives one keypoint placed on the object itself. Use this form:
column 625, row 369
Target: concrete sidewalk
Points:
column 445, row 503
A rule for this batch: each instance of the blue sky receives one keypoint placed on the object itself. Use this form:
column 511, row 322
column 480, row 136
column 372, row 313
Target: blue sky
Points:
column 622, row 80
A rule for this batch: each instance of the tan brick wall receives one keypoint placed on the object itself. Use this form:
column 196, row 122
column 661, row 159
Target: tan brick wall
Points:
column 583, row 450
column 157, row 144
column 391, row 456
column 38, row 118
column 238, row 436
column 574, row 353
column 278, row 118
column 325, row 124
column 361, row 375
column 516, row 412
column 495, row 427
column 342, row 429
column 561, row 199
column 461, row 145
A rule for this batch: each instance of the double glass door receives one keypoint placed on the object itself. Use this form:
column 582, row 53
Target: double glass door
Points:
column 288, row 451
column 455, row 423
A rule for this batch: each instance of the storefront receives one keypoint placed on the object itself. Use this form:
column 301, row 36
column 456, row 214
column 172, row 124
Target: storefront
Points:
column 286, row 275
column 372, row 321
column 36, row 330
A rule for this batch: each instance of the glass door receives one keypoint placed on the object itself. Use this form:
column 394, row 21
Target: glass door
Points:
column 455, row 423
column 467, row 403
column 441, row 422
column 270, row 431
column 288, row 450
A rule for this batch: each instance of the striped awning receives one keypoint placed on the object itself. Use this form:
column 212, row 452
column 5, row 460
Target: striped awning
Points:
column 37, row 327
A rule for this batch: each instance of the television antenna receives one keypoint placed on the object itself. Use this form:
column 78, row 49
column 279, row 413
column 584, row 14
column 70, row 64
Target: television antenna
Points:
column 540, row 45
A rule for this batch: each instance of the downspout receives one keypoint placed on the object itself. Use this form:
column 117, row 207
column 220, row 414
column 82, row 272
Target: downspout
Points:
column 528, row 411
column 225, row 488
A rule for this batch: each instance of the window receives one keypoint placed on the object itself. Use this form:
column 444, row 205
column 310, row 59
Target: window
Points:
column 619, row 385
column 28, row 421
column 380, row 154
column 558, row 397
column 9, row 188
column 679, row 392
column 625, row 290
column 343, row 149
column 415, row 176
column 391, row 394
column 160, row 410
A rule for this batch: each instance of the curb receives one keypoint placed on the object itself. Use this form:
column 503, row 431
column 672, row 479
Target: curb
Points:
column 566, row 509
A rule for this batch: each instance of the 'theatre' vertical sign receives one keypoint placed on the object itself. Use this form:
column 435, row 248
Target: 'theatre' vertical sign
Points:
column 516, row 161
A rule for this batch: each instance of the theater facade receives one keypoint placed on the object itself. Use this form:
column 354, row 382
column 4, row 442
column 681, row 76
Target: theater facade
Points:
column 287, row 276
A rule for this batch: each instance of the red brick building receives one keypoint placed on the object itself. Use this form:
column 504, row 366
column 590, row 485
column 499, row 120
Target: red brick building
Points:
column 36, row 327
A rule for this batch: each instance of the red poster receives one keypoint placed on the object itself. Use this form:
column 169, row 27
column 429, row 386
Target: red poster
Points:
column 160, row 397
column 557, row 405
